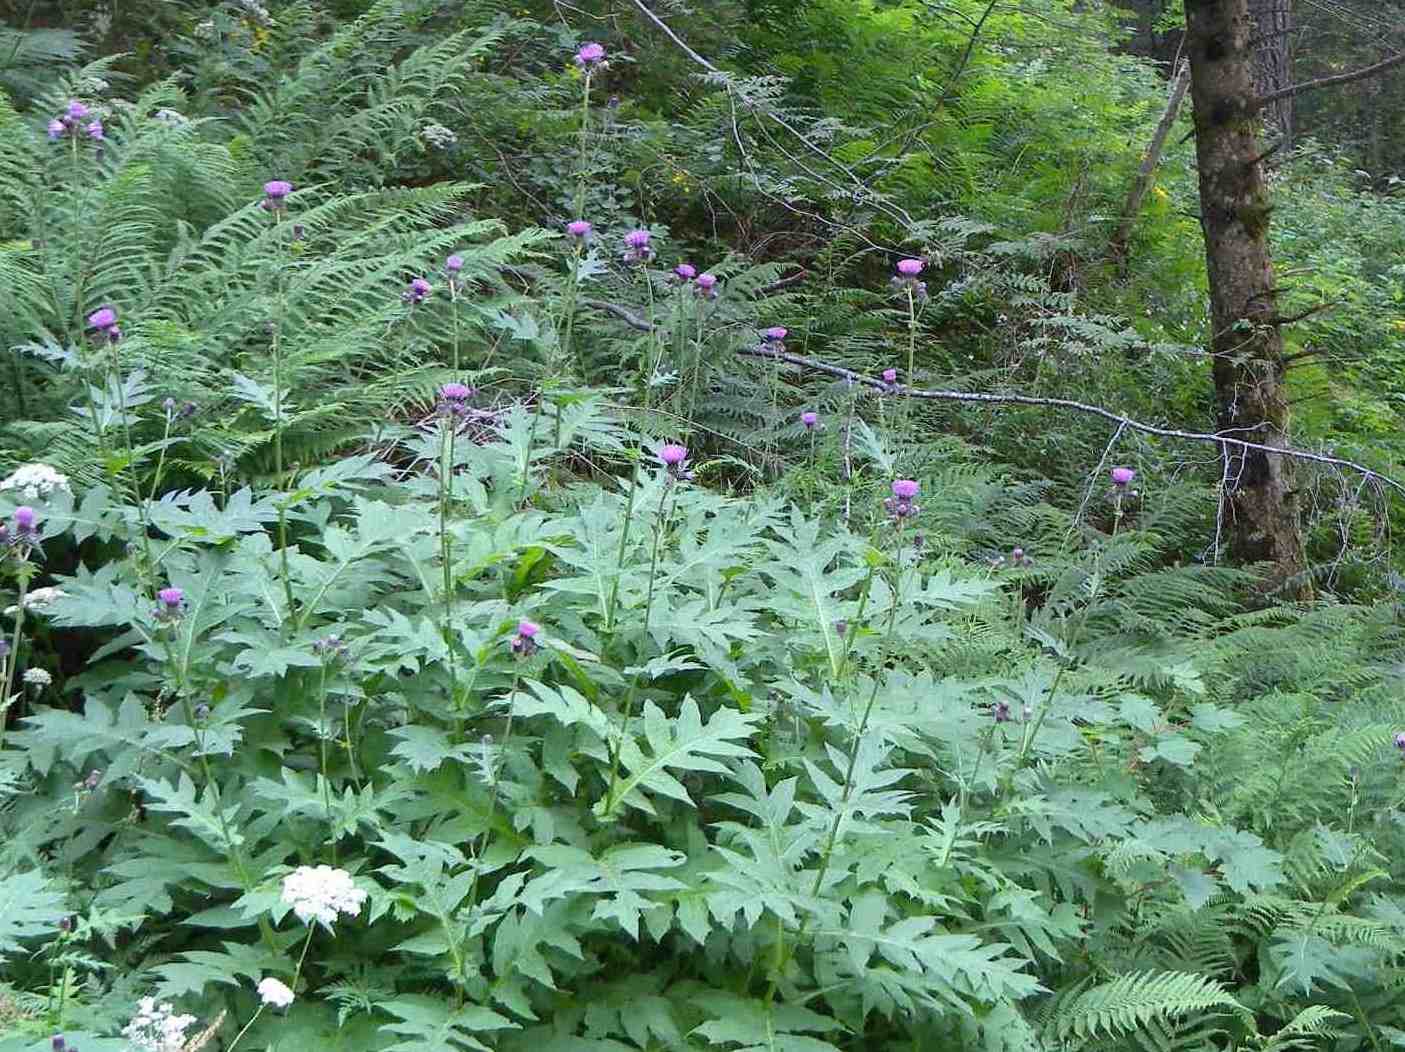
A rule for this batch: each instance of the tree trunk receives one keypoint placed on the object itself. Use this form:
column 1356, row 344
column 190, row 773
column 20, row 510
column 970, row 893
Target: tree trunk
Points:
column 1273, row 67
column 1247, row 346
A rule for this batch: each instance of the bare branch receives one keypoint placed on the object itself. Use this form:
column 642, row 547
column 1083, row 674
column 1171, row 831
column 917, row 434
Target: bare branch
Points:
column 860, row 191
column 1327, row 82
column 1122, row 421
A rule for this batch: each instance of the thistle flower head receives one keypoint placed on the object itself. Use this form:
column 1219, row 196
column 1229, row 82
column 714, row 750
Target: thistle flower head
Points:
column 1122, row 476
column 890, row 376
column 776, row 333
column 578, row 228
column 672, row 455
column 104, row 319
column 590, row 55
column 455, row 392
column 417, row 291
column 56, row 129
column 905, row 489
column 637, row 238
column 707, row 285
column 809, row 418
column 453, row 264
column 910, row 268
column 24, row 519
column 94, row 130
column 170, row 598
column 277, row 189
column 524, row 643
column 76, row 111
column 685, row 271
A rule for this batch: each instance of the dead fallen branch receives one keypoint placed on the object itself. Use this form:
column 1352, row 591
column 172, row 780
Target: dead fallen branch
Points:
column 989, row 398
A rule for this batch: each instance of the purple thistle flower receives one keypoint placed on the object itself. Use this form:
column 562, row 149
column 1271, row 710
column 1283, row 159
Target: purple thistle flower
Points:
column 904, row 489
column 637, row 247
column 707, row 285
column 809, row 418
column 578, row 228
column 56, row 129
column 1122, row 476
column 94, row 130
column 277, row 189
column 76, row 111
column 169, row 602
column 453, row 398
column 776, row 333
column 104, row 319
column 417, row 293
column 524, row 643
column 685, row 271
column 590, row 55
column 453, row 264
column 672, row 455
column 910, row 268
column 24, row 520
column 890, row 376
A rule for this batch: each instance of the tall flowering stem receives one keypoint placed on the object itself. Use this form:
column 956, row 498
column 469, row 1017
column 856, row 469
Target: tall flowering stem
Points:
column 832, row 836
column 11, row 656
column 666, row 500
column 276, row 191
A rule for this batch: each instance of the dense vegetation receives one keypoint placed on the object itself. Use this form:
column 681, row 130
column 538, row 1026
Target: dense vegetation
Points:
column 483, row 564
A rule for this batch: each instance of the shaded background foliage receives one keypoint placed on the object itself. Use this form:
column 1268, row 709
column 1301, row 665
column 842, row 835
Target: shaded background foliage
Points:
column 1187, row 833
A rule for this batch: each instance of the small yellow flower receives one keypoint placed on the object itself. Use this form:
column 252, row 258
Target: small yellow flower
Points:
column 1398, row 325
column 1160, row 192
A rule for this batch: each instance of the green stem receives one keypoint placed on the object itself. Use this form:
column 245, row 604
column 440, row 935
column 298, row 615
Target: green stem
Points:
column 660, row 525
column 277, row 349
column 7, row 681
column 322, row 756
column 827, row 851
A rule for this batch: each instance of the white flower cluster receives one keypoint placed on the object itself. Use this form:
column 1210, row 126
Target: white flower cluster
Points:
column 438, row 136
column 156, row 1028
column 257, row 12
column 321, row 893
column 274, row 992
column 39, row 599
column 35, row 481
column 38, row 677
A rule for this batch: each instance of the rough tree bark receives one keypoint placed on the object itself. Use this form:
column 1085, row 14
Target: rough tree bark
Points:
column 1247, row 347
column 1273, row 66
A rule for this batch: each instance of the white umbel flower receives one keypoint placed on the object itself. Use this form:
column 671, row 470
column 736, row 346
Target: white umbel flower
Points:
column 156, row 1028
column 37, row 677
column 321, row 893
column 39, row 599
column 35, row 481
column 275, row 993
